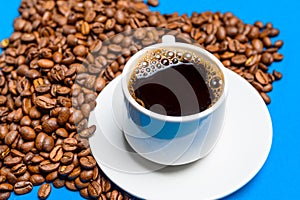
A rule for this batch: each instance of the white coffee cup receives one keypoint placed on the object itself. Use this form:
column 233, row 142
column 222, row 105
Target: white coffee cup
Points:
column 172, row 140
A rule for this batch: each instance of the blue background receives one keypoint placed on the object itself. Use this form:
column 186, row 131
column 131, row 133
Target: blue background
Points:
column 280, row 176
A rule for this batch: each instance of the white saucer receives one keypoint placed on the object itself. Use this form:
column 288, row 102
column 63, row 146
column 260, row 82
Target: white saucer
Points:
column 238, row 156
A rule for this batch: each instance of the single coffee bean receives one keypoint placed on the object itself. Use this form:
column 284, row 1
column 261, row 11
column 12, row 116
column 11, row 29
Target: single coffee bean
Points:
column 75, row 173
column 86, row 175
column 64, row 170
column 19, row 169
column 88, row 132
column 56, row 153
column 4, row 151
column 238, row 59
column 23, row 187
column 45, row 63
column 4, row 195
column 47, row 167
column 27, row 133
column 84, row 193
column 6, row 187
column 37, row 179
column 51, row 176
column 70, row 185
column 50, row 125
column 59, row 183
column 94, row 189
column 87, row 162
column 267, row 58
column 261, row 77
column 45, row 102
column 69, row 144
column 79, row 184
column 11, row 178
column 67, row 158
column 44, row 191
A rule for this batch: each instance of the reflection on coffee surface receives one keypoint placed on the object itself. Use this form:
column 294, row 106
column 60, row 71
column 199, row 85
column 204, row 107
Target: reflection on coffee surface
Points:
column 175, row 82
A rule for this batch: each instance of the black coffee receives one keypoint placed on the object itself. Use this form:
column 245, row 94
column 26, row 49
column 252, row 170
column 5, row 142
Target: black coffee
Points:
column 175, row 83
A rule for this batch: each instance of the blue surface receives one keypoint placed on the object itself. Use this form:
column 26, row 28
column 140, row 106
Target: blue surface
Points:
column 280, row 176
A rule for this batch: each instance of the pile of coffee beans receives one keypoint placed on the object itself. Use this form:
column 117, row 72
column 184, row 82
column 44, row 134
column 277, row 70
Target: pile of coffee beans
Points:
column 57, row 61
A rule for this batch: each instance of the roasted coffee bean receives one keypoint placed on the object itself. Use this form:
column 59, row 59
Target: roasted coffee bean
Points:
column 44, row 142
column 88, row 132
column 238, row 59
column 44, row 191
column 11, row 178
column 11, row 161
column 69, row 144
column 51, row 176
column 50, row 125
column 67, row 158
column 47, row 167
column 64, row 170
column 6, row 187
column 27, row 133
column 37, row 179
column 70, row 185
column 23, row 187
column 94, row 189
column 19, row 169
column 56, row 154
column 4, row 195
column 267, row 58
column 114, row 195
column 59, row 183
column 87, row 162
column 86, row 175
column 84, row 193
column 79, row 184
column 261, row 77
column 63, row 116
column 75, row 173
column 4, row 151
column 277, row 75
column 45, row 102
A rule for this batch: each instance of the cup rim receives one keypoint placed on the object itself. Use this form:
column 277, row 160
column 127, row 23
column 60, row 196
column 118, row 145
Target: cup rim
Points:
column 168, row 118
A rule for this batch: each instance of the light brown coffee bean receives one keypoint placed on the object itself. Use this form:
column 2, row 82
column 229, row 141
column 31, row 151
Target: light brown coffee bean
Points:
column 64, row 170
column 70, row 185
column 45, row 63
column 267, row 58
column 19, row 169
column 86, row 175
column 52, row 176
column 23, row 187
column 69, row 144
column 4, row 195
column 27, row 133
column 59, row 183
column 6, row 187
column 47, row 167
column 50, row 125
column 239, row 59
column 45, row 102
column 37, row 179
column 87, row 162
column 261, row 77
column 56, row 154
column 88, row 132
column 44, row 191
column 94, row 189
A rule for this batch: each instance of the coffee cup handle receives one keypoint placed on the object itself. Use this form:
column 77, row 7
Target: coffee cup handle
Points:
column 168, row 39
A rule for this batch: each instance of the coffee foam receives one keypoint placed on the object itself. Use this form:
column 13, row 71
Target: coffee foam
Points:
column 163, row 58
